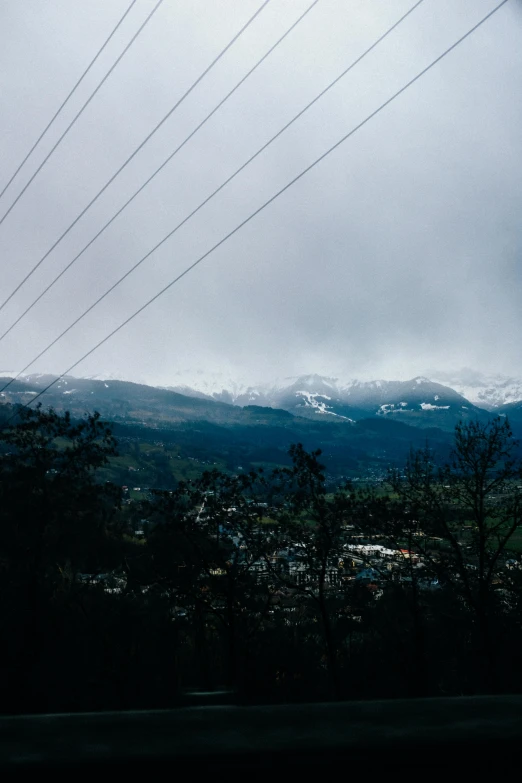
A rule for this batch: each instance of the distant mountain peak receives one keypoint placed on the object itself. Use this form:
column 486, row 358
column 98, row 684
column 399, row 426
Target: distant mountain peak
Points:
column 485, row 391
column 421, row 400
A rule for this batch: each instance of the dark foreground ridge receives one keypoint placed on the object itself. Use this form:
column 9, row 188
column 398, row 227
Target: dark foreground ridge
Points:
column 426, row 733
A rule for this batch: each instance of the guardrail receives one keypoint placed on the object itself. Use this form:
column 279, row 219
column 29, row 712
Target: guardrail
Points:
column 469, row 733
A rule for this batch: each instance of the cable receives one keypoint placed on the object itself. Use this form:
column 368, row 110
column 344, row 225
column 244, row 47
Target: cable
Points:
column 75, row 118
column 167, row 160
column 133, row 154
column 80, row 80
column 267, row 203
column 264, row 205
column 194, row 211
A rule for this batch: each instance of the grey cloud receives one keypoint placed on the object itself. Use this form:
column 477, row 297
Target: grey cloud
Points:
column 402, row 250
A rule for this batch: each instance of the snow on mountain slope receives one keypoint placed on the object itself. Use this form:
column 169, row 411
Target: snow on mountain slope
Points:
column 426, row 400
column 313, row 396
column 212, row 385
column 319, row 403
column 418, row 401
column 431, row 389
column 485, row 391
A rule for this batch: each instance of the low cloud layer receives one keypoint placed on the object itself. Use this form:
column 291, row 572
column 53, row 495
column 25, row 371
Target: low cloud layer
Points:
column 399, row 252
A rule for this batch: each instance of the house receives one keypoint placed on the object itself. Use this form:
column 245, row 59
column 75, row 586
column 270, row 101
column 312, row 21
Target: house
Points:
column 406, row 554
column 377, row 550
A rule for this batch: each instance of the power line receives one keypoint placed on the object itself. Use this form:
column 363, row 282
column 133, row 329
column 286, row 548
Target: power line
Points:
column 224, row 184
column 67, row 99
column 162, row 166
column 73, row 121
column 194, row 211
column 133, row 154
column 269, row 201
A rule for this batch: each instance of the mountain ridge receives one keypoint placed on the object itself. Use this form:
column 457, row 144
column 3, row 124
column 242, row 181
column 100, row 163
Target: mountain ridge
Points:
column 393, row 417
column 487, row 391
column 419, row 401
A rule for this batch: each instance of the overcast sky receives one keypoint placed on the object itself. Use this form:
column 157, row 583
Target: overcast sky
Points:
column 401, row 251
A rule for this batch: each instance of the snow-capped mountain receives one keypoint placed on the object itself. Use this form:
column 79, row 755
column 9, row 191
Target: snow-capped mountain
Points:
column 314, row 396
column 213, row 386
column 419, row 401
column 485, row 391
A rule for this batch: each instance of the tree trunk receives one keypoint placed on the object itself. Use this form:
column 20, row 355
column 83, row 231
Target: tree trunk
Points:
column 231, row 665
column 333, row 671
column 419, row 675
column 488, row 654
column 200, row 638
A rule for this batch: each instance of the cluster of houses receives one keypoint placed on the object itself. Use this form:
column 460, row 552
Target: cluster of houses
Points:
column 369, row 564
column 356, row 560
